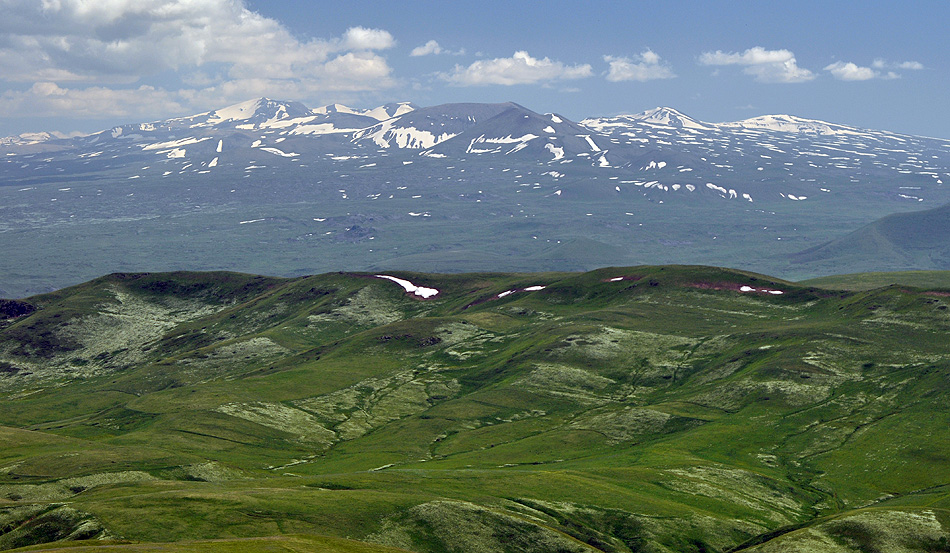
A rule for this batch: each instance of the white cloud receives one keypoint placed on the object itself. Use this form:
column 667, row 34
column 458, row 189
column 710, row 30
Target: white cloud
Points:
column 222, row 50
column 355, row 71
column 767, row 66
column 851, row 72
column 880, row 69
column 434, row 48
column 45, row 98
column 752, row 56
column 521, row 68
column 429, row 48
column 359, row 38
column 880, row 63
column 645, row 67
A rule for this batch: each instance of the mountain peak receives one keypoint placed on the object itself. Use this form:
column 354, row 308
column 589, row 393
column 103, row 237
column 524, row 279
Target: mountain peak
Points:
column 380, row 113
column 793, row 124
column 669, row 117
column 258, row 110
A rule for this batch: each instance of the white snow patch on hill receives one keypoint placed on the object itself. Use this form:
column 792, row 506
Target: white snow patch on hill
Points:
column 281, row 153
column 174, row 143
column 386, row 134
column 411, row 288
column 791, row 124
column 590, row 142
column 237, row 112
column 519, row 141
column 557, row 151
column 319, row 128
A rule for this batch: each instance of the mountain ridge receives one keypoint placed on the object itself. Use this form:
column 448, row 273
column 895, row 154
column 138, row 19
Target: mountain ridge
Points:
column 495, row 182
column 662, row 115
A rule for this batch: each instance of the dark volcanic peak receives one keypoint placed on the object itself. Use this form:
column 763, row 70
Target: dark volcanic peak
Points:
column 518, row 130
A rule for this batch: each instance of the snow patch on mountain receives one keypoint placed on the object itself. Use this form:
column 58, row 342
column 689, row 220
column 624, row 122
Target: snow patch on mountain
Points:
column 590, row 142
column 174, row 143
column 669, row 117
column 411, row 288
column 319, row 128
column 501, row 141
column 657, row 117
column 791, row 124
column 28, row 138
column 237, row 112
column 279, row 152
column 380, row 113
column 387, row 134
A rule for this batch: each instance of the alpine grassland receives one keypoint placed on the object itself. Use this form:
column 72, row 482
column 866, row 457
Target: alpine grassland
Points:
column 629, row 409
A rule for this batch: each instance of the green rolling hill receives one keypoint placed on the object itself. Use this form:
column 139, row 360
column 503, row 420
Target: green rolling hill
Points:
column 903, row 240
column 634, row 409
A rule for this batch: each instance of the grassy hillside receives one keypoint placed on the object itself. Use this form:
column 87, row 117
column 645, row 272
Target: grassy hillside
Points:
column 869, row 281
column 896, row 242
column 626, row 409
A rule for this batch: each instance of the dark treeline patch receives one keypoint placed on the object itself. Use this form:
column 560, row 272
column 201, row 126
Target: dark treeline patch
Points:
column 11, row 309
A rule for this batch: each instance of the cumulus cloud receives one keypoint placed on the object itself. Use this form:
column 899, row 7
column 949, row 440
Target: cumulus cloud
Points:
column 881, row 63
column 45, row 98
column 429, row 48
column 105, row 49
column 521, row 68
column 850, row 71
column 767, row 66
column 880, row 69
column 434, row 48
column 645, row 67
column 360, row 38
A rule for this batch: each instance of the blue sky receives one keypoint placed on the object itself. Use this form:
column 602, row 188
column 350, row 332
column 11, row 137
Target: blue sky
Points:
column 85, row 65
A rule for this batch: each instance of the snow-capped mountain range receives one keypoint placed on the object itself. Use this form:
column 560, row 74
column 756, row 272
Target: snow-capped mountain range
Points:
column 276, row 187
column 660, row 150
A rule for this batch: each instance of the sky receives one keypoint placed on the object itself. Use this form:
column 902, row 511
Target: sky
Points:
column 80, row 66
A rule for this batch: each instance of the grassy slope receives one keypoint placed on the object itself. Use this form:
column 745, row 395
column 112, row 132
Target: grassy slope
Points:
column 275, row 544
column 667, row 411
column 896, row 242
column 869, row 281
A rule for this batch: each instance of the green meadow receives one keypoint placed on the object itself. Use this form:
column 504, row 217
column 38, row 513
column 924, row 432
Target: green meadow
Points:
column 629, row 409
